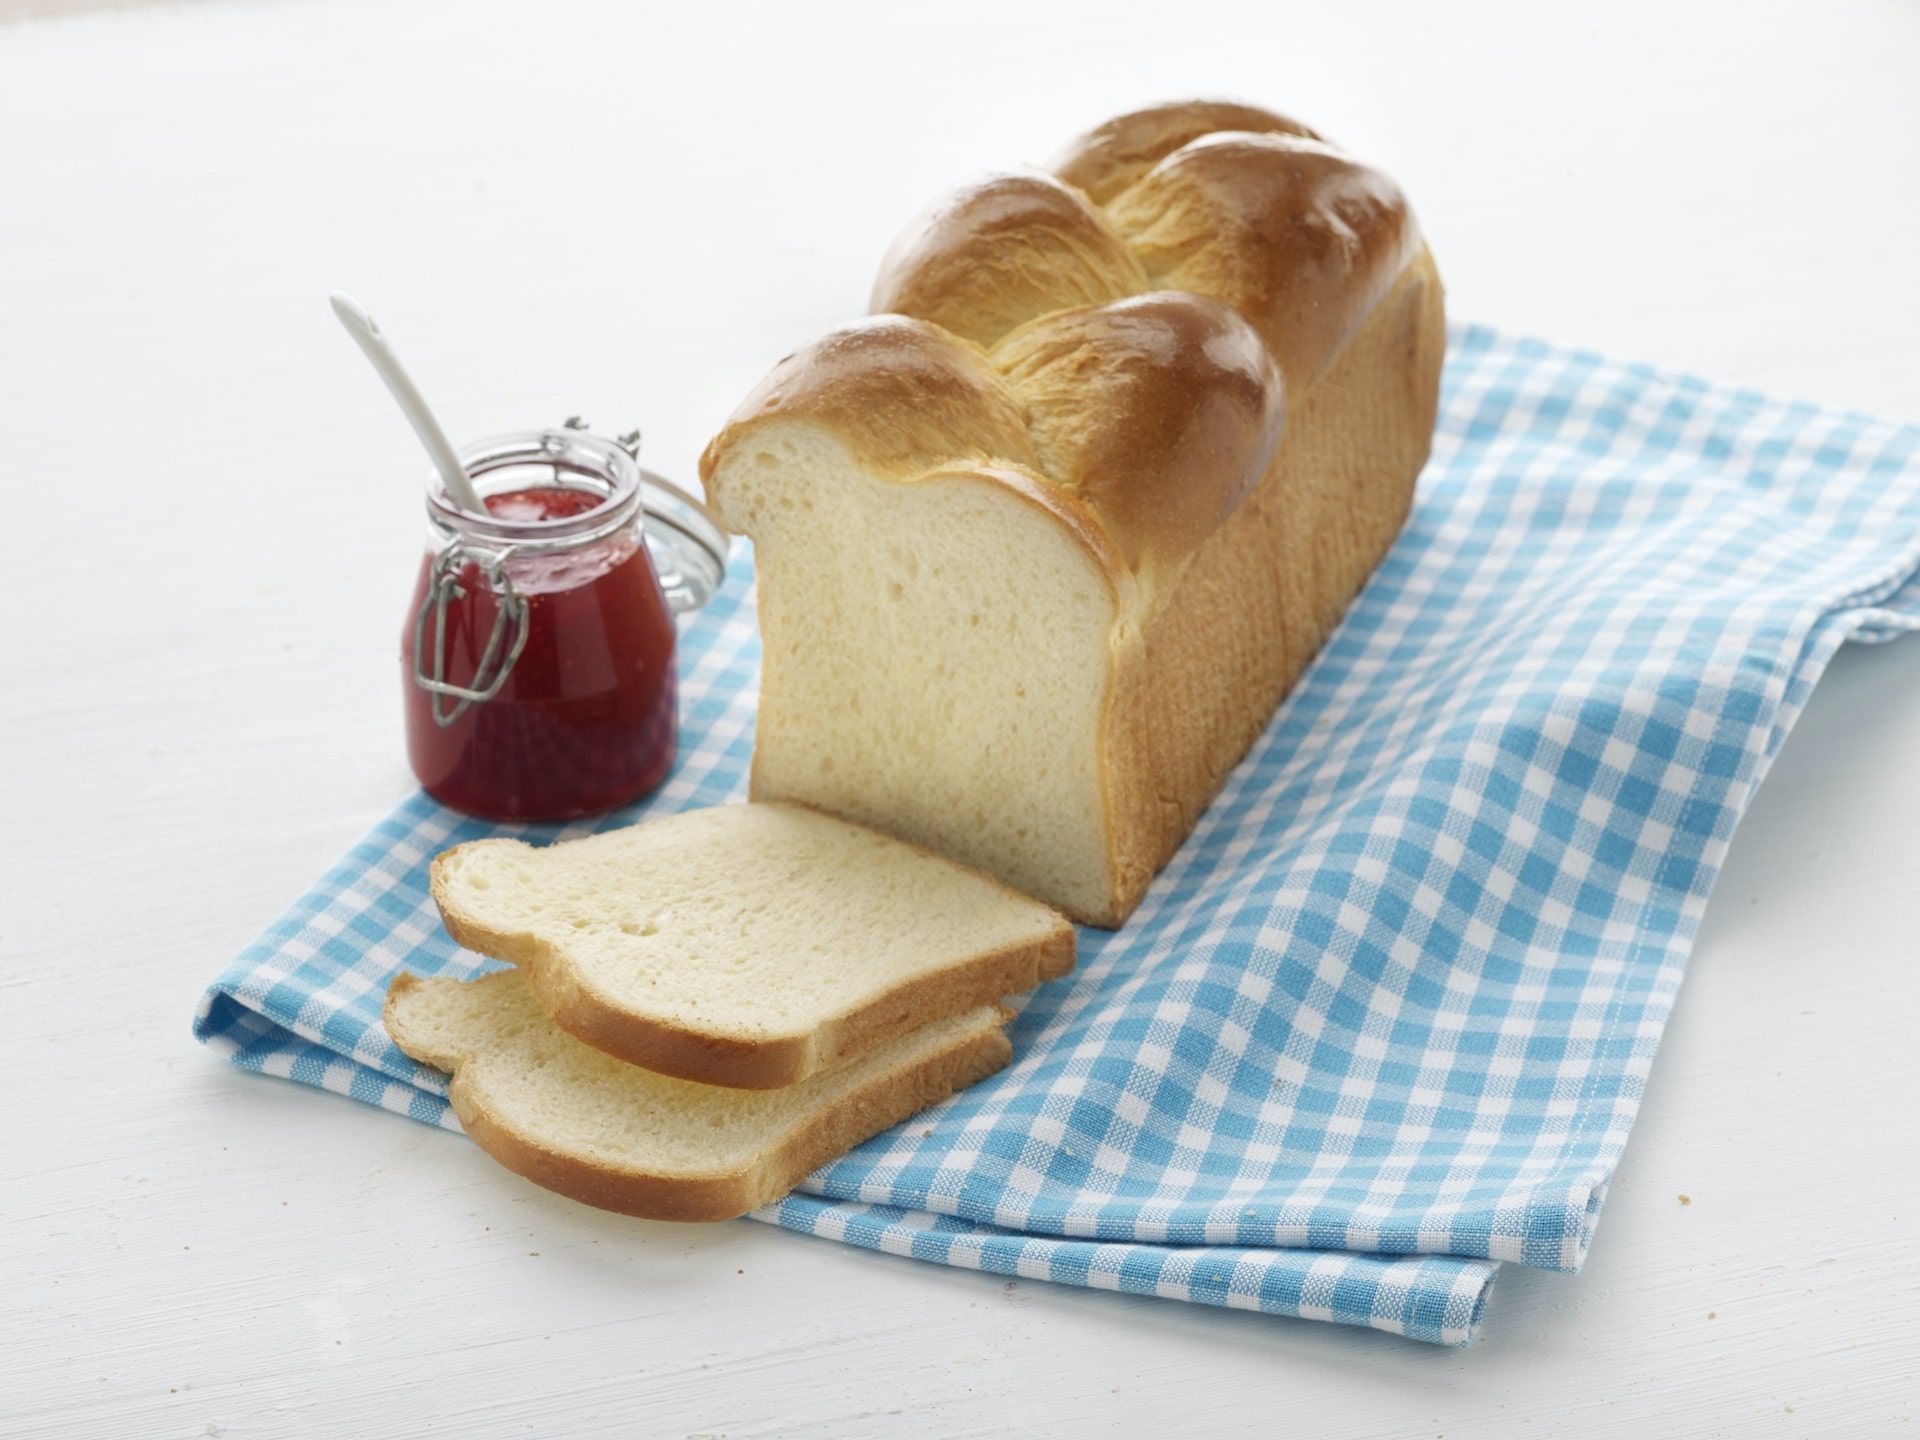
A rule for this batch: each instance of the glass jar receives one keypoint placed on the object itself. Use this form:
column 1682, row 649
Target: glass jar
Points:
column 538, row 655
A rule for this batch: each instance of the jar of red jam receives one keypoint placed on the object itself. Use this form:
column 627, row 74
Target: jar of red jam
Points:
column 538, row 655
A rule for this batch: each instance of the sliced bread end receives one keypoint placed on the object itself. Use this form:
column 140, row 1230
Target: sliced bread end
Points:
column 615, row 1136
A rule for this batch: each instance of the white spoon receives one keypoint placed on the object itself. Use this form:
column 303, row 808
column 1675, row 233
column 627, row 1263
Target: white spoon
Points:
column 360, row 325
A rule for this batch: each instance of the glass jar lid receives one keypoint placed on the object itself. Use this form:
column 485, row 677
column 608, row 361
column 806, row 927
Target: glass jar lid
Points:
column 687, row 546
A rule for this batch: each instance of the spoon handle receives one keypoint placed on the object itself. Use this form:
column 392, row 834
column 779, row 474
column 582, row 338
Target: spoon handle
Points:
column 360, row 325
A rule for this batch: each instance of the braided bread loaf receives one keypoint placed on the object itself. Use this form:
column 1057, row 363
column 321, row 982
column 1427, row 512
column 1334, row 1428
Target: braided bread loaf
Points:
column 1044, row 542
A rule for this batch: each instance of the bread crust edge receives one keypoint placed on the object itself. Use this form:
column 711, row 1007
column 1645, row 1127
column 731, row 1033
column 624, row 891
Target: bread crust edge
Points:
column 1140, row 846
column 878, row 1105
column 709, row 1058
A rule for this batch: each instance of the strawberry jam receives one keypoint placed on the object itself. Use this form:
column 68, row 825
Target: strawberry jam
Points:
column 563, row 706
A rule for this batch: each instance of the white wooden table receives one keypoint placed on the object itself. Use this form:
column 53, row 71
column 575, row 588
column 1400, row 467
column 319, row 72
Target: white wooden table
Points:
column 628, row 213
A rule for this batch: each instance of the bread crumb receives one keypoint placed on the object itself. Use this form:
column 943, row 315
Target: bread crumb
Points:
column 1686, row 1199
column 1713, row 1314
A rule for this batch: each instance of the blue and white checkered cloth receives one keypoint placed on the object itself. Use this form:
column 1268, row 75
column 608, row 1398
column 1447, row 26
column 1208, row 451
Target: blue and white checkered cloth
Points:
column 1384, row 1022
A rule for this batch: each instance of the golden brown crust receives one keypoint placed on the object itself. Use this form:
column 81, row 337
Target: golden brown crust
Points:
column 879, row 1104
column 742, row 1063
column 1110, row 157
column 1001, row 252
column 1299, row 238
column 1266, row 589
column 1155, row 410
column 1161, row 412
column 900, row 393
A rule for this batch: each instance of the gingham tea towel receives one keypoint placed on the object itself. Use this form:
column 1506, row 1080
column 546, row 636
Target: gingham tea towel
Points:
column 1384, row 1022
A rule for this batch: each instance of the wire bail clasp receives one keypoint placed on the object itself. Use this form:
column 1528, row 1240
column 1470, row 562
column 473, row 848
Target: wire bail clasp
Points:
column 510, row 615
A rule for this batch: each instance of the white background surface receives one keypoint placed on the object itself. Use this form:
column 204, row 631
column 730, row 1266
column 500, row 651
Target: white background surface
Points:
column 211, row 516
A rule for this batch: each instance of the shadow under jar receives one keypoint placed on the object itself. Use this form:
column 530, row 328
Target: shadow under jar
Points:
column 538, row 655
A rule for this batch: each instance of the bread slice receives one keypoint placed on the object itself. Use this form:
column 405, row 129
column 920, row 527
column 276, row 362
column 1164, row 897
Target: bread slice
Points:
column 616, row 1136
column 746, row 945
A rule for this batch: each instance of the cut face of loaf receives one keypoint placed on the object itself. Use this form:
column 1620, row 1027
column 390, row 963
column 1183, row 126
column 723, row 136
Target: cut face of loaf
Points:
column 935, row 662
column 746, row 945
column 1040, row 552
column 579, row 1122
